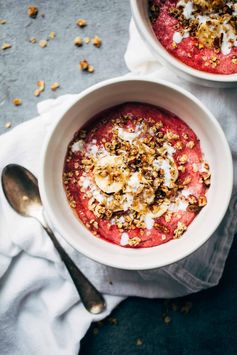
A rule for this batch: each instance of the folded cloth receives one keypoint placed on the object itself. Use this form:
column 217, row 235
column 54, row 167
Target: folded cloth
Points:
column 40, row 311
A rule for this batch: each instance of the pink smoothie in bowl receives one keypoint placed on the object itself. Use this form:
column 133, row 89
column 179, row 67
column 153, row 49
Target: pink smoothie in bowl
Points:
column 135, row 175
column 200, row 33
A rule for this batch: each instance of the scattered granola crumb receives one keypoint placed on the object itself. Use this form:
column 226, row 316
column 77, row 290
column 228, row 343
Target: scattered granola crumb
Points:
column 8, row 125
column 41, row 85
column 186, row 308
column 95, row 331
column 113, row 321
column 78, row 42
column 87, row 40
column 16, row 101
column 3, row 22
column 55, row 86
column 84, row 64
column 139, row 342
column 6, row 45
column 52, row 35
column 81, row 22
column 43, row 43
column 202, row 201
column 43, row 14
column 37, row 92
column 90, row 69
column 33, row 40
column 97, row 41
column 32, row 11
column 167, row 320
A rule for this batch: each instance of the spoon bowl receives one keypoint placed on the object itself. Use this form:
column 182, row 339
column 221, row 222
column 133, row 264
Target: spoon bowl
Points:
column 20, row 187
column 21, row 190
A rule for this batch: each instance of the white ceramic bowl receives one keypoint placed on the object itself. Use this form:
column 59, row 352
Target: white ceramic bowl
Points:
column 141, row 18
column 172, row 98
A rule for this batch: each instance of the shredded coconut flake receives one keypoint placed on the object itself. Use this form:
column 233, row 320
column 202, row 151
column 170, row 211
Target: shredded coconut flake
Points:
column 149, row 221
column 78, row 146
column 127, row 136
column 134, row 182
column 124, row 239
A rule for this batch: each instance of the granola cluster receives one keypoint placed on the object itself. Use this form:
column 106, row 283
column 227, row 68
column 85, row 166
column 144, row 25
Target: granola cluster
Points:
column 135, row 176
column 213, row 23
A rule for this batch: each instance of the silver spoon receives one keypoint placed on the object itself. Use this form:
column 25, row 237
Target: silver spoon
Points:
column 20, row 187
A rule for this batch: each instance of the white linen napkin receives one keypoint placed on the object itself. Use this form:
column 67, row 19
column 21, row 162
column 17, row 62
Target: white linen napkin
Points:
column 40, row 311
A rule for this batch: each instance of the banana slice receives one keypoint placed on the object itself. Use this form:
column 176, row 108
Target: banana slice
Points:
column 143, row 200
column 174, row 173
column 158, row 211
column 108, row 174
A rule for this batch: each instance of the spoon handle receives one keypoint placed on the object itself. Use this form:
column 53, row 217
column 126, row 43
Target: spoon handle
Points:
column 90, row 296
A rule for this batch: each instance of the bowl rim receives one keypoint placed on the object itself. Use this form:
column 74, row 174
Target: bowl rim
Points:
column 113, row 262
column 166, row 57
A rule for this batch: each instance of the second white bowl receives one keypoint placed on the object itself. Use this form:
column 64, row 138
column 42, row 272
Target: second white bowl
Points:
column 141, row 18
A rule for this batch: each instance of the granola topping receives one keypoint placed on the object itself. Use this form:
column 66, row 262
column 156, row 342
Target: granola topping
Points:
column 127, row 171
column 213, row 23
column 200, row 33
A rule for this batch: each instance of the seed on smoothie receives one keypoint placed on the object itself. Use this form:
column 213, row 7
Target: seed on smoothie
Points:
column 202, row 201
column 190, row 144
column 178, row 145
column 183, row 159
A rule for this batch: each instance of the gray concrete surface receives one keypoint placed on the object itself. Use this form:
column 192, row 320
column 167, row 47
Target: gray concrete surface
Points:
column 25, row 63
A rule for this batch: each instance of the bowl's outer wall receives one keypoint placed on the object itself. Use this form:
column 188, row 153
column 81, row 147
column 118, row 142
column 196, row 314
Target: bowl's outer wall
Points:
column 167, row 96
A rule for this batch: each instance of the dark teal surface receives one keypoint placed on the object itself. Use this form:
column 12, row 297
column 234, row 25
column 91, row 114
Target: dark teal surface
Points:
column 210, row 327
